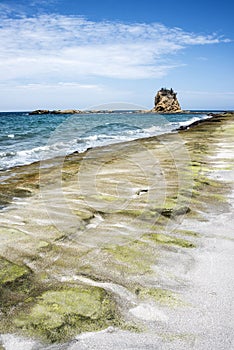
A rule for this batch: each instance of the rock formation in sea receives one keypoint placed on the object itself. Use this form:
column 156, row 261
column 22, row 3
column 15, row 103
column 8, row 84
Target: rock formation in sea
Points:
column 166, row 102
column 68, row 111
column 58, row 111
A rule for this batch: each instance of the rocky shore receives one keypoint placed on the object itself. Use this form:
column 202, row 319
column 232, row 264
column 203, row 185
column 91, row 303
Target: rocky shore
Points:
column 132, row 241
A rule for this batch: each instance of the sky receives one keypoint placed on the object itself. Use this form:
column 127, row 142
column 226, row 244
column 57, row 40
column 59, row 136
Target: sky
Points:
column 58, row 54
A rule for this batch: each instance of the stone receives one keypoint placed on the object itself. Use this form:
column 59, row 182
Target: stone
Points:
column 166, row 102
column 40, row 111
column 59, row 315
column 70, row 111
column 10, row 272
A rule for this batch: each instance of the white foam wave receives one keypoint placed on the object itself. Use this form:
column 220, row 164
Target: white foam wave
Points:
column 92, row 138
column 7, row 154
column 194, row 119
column 188, row 122
column 153, row 129
column 28, row 156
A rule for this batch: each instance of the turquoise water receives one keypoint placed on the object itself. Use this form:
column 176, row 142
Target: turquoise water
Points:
column 26, row 138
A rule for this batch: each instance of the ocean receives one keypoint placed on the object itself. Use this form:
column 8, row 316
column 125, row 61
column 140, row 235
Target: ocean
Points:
column 25, row 138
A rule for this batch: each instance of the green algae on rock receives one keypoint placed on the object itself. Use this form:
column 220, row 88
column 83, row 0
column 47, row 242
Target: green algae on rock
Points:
column 187, row 233
column 15, row 287
column 10, row 272
column 165, row 239
column 132, row 256
column 162, row 296
column 59, row 315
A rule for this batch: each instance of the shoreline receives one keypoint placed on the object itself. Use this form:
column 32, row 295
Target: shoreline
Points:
column 129, row 223
column 83, row 145
column 33, row 168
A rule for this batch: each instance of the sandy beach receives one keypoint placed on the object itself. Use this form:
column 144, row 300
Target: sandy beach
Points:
column 128, row 246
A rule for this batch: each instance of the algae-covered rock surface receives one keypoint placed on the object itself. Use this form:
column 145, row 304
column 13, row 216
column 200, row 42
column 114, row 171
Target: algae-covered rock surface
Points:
column 115, row 237
column 59, row 315
column 10, row 272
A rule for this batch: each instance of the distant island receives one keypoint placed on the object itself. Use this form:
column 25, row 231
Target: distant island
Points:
column 59, row 111
column 165, row 101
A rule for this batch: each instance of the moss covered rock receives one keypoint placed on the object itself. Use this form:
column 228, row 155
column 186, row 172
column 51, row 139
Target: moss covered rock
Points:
column 165, row 239
column 15, row 286
column 132, row 258
column 10, row 272
column 59, row 315
column 162, row 296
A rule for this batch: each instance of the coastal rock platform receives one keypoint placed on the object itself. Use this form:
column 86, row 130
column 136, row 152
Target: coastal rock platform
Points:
column 122, row 247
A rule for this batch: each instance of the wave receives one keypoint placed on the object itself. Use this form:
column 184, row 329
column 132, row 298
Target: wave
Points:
column 194, row 119
column 188, row 122
column 7, row 154
column 153, row 129
column 40, row 153
column 17, row 136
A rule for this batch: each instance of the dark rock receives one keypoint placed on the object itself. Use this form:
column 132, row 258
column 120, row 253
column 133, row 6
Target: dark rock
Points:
column 40, row 111
column 214, row 119
column 57, row 111
column 172, row 212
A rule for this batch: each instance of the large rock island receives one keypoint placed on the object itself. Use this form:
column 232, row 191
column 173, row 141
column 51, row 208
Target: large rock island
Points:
column 166, row 102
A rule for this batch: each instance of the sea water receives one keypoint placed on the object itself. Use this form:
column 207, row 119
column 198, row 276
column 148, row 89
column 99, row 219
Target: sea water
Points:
column 26, row 138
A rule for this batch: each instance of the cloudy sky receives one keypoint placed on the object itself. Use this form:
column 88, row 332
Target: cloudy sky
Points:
column 79, row 54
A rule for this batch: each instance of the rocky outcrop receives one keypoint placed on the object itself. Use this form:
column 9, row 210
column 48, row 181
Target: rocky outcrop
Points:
column 46, row 111
column 69, row 111
column 39, row 111
column 166, row 102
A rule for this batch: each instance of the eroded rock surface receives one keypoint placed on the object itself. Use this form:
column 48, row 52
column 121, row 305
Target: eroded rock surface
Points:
column 166, row 102
column 99, row 239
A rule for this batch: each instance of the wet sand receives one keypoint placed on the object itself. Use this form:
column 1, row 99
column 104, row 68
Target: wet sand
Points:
column 142, row 230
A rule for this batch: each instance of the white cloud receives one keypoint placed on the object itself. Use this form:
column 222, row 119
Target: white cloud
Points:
column 60, row 85
column 59, row 96
column 53, row 48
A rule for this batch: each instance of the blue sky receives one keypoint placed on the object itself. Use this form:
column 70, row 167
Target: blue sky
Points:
column 80, row 54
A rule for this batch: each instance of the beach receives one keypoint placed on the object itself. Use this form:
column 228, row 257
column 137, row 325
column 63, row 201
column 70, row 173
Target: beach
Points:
column 125, row 246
